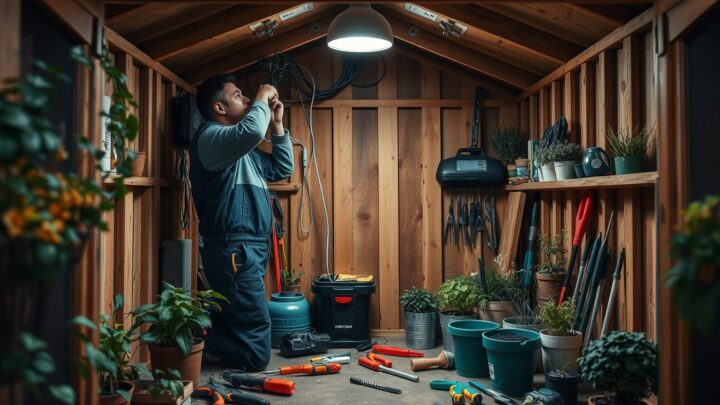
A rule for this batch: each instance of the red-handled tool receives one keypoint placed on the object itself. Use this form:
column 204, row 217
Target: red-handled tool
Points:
column 367, row 362
column 582, row 220
column 307, row 369
column 260, row 383
column 379, row 359
column 396, row 351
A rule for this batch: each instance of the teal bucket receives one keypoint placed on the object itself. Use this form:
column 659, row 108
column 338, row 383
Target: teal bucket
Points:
column 470, row 355
column 510, row 355
column 288, row 314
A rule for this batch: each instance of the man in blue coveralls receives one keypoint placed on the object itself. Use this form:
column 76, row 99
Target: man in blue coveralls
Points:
column 229, row 174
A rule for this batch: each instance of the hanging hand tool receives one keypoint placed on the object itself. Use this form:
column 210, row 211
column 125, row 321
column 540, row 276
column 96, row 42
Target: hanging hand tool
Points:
column 582, row 220
column 260, row 383
column 306, row 369
column 462, row 228
column 444, row 360
column 450, row 227
column 396, row 351
column 478, row 227
column 332, row 357
column 582, row 268
column 531, row 242
column 467, row 228
column 491, row 228
column 222, row 394
column 598, row 276
column 613, row 290
column 589, row 269
column 494, row 394
column 373, row 362
column 380, row 387
column 471, row 220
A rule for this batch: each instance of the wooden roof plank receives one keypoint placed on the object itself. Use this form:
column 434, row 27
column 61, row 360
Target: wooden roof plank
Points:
column 612, row 13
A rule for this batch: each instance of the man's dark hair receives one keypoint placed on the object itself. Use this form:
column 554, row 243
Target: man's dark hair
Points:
column 210, row 91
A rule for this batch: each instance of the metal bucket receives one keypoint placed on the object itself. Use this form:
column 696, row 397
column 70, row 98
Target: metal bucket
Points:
column 444, row 321
column 420, row 329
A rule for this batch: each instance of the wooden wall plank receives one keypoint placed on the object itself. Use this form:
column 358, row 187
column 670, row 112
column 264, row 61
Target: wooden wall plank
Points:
column 343, row 186
column 606, row 101
column 556, row 101
column 124, row 248
column 431, row 192
column 570, row 105
column 629, row 107
column 510, row 231
column 587, row 105
column 389, row 233
column 533, row 125
column 10, row 40
column 524, row 116
column 544, row 106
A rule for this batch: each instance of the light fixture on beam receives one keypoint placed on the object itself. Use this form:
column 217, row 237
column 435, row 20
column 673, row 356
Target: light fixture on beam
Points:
column 360, row 29
column 452, row 29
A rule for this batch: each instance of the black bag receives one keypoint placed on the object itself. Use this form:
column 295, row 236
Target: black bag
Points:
column 555, row 133
column 298, row 344
column 186, row 119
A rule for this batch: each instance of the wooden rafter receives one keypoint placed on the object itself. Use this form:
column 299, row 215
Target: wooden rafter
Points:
column 504, row 29
column 613, row 14
column 461, row 55
column 378, row 1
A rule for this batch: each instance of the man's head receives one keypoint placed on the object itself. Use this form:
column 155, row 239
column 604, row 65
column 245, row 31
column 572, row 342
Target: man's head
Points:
column 220, row 100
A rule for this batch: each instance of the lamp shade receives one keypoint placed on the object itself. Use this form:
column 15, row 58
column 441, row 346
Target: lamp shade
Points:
column 360, row 29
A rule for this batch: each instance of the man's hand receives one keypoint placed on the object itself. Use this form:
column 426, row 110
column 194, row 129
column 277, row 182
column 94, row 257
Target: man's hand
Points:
column 277, row 109
column 266, row 92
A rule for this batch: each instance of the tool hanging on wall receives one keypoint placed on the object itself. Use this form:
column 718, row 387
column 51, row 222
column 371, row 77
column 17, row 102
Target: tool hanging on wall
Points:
column 582, row 268
column 589, row 269
column 613, row 290
column 531, row 244
column 598, row 276
column 582, row 220
column 491, row 232
column 450, row 227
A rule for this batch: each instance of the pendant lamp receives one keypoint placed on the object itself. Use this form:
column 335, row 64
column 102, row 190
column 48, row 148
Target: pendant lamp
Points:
column 360, row 29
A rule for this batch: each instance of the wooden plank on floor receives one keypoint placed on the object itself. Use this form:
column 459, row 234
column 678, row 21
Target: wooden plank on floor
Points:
column 343, row 186
column 389, row 233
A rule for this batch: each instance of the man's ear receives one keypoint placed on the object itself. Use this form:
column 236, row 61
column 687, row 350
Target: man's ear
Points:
column 219, row 108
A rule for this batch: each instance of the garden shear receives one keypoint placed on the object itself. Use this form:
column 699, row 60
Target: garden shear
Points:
column 489, row 216
column 451, row 225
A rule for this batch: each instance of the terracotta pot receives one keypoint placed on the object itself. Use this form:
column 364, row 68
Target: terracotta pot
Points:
column 117, row 399
column 549, row 286
column 138, row 165
column 602, row 400
column 166, row 358
column 496, row 311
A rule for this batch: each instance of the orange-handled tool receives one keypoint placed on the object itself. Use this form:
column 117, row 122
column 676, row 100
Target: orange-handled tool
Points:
column 375, row 366
column 396, row 351
column 208, row 393
column 582, row 220
column 307, row 369
column 262, row 383
column 379, row 359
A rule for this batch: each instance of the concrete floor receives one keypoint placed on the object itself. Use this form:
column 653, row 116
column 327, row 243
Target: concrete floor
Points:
column 337, row 389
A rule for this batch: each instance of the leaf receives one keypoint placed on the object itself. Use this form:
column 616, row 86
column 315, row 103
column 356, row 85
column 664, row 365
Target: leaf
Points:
column 125, row 394
column 118, row 303
column 184, row 342
column 44, row 363
column 32, row 343
column 174, row 373
column 63, row 393
column 82, row 320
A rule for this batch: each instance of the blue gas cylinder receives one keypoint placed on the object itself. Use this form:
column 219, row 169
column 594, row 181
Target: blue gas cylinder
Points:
column 288, row 314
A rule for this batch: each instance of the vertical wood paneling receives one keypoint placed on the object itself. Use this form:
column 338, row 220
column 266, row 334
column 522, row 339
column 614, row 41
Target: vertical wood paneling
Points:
column 343, row 186
column 124, row 258
column 10, row 40
column 544, row 115
column 431, row 193
column 629, row 111
column 388, row 219
column 570, row 105
column 524, row 116
column 533, row 130
column 606, row 101
column 556, row 101
column 587, row 105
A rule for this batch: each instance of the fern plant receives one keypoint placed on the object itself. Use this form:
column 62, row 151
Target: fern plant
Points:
column 626, row 143
column 418, row 300
column 558, row 318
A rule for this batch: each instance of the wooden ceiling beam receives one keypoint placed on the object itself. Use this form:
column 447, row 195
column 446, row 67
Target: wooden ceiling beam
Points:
column 374, row 2
column 509, row 30
column 247, row 56
column 209, row 29
column 479, row 62
column 614, row 14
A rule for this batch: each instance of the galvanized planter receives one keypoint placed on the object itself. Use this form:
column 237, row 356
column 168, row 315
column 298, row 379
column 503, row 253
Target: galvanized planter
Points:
column 445, row 319
column 420, row 329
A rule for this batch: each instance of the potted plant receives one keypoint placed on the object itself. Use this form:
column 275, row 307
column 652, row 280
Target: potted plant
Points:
column 560, row 344
column 544, row 158
column 420, row 312
column 162, row 390
column 565, row 383
column 291, row 280
column 457, row 299
column 565, row 155
column 498, row 292
column 138, row 162
column 509, row 144
column 623, row 365
column 629, row 148
column 523, row 316
column 174, row 322
column 510, row 356
column 551, row 271
column 694, row 277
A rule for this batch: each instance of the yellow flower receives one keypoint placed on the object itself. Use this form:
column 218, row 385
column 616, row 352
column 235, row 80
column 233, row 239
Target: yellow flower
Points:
column 76, row 198
column 47, row 234
column 59, row 225
column 14, row 222
column 55, row 210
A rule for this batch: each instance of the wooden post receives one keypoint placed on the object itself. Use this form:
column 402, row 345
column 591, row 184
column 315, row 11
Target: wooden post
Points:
column 431, row 192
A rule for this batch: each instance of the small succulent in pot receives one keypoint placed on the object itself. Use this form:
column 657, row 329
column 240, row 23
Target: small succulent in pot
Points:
column 418, row 300
column 630, row 148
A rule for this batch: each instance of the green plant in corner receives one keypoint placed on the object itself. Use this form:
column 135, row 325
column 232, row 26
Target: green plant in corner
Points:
column 460, row 294
column 509, row 143
column 291, row 277
column 626, row 143
column 624, row 365
column 177, row 317
column 418, row 300
column 553, row 251
column 558, row 318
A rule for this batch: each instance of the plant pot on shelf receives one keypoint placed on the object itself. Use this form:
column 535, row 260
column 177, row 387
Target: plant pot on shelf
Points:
column 167, row 358
column 510, row 359
column 564, row 170
column 496, row 311
column 549, row 286
column 138, row 165
column 445, row 318
column 420, row 329
column 143, row 394
column 534, row 326
column 116, row 399
column 579, row 171
column 629, row 164
column 564, row 383
column 548, row 172
column 470, row 355
column 560, row 352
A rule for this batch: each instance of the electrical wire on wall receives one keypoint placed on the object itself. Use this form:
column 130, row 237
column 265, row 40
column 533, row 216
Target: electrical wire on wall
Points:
column 280, row 68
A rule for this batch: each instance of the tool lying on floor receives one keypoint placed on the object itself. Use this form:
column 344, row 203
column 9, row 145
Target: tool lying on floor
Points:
column 498, row 396
column 222, row 394
column 460, row 393
column 543, row 396
column 444, row 360
column 260, row 383
column 582, row 220
column 307, row 369
column 396, row 351
column 363, row 347
column 332, row 357
column 298, row 344
column 378, row 363
column 360, row 381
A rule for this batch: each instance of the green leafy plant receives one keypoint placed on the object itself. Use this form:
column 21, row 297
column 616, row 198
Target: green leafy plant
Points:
column 522, row 312
column 622, row 364
column 694, row 276
column 174, row 320
column 624, row 143
column 509, row 143
column 497, row 287
column 291, row 277
column 459, row 294
column 554, row 253
column 558, row 318
column 566, row 151
column 418, row 300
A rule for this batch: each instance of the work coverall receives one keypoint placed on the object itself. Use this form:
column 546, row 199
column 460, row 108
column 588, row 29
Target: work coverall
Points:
column 228, row 175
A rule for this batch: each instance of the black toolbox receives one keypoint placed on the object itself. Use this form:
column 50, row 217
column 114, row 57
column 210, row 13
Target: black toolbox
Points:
column 342, row 310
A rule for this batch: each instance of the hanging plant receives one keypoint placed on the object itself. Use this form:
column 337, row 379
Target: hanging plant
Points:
column 694, row 277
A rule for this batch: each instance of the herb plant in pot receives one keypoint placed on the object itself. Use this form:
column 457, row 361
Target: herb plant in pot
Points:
column 544, row 158
column 623, row 365
column 560, row 344
column 420, row 313
column 565, row 155
column 457, row 299
column 174, row 322
column 509, row 144
column 498, row 292
column 291, row 280
column 551, row 271
column 629, row 148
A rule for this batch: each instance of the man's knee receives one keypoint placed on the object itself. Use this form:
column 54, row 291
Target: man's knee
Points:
column 259, row 360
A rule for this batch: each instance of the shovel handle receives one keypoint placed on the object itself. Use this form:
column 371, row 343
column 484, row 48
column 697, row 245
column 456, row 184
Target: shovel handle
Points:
column 582, row 218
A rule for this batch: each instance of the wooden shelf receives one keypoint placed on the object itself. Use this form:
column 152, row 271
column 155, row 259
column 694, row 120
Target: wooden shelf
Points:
column 647, row 179
column 144, row 182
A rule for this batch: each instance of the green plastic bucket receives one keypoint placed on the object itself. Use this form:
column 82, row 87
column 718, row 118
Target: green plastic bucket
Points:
column 510, row 354
column 470, row 355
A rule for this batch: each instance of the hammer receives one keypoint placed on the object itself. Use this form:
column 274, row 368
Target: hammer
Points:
column 444, row 360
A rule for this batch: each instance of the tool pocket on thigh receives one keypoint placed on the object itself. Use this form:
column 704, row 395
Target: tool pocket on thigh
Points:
column 246, row 270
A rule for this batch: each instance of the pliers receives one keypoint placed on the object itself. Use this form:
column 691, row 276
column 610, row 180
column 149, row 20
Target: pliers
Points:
column 451, row 225
column 223, row 394
column 491, row 228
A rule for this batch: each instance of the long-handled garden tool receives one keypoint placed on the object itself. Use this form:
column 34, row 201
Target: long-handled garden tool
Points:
column 587, row 280
column 582, row 220
column 532, row 237
column 590, row 321
column 613, row 290
column 582, row 269
column 598, row 275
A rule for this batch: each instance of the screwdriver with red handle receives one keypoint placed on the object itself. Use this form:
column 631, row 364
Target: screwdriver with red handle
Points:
column 307, row 369
column 396, row 351
column 261, row 383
